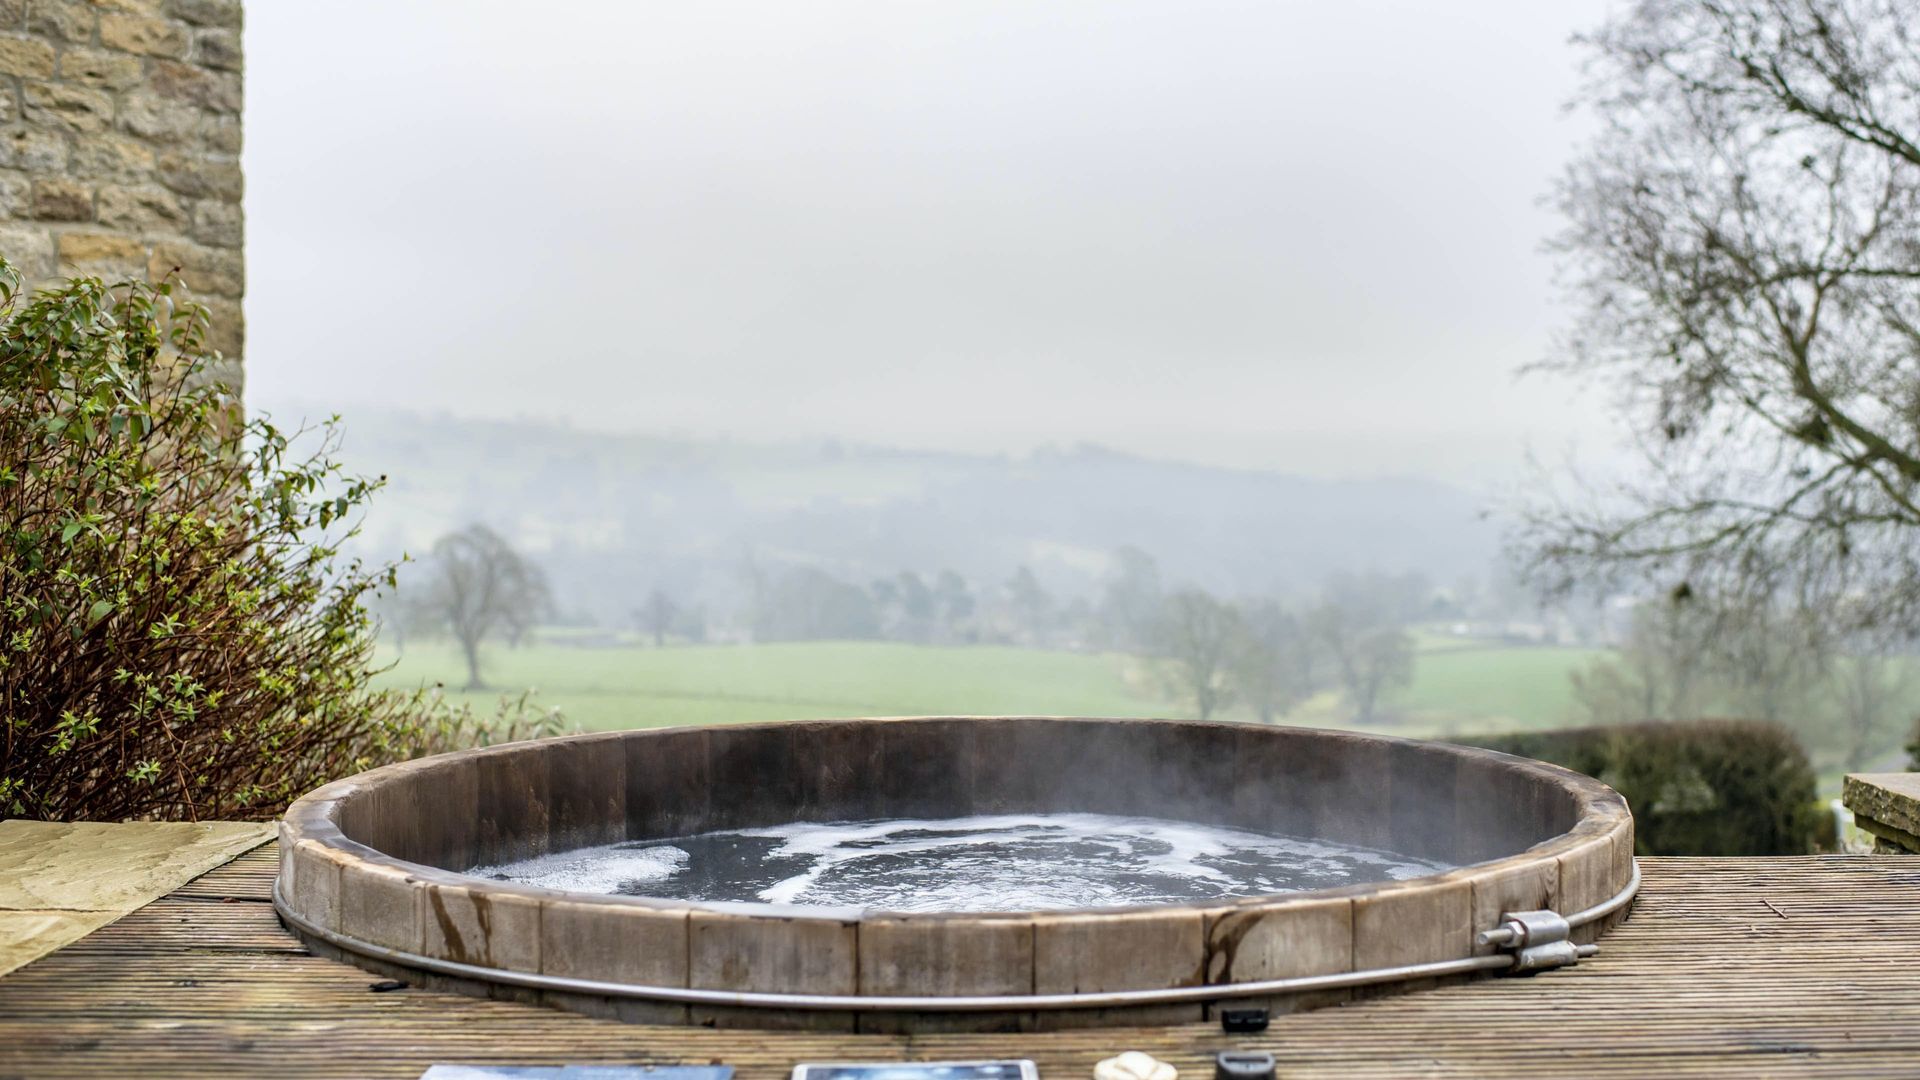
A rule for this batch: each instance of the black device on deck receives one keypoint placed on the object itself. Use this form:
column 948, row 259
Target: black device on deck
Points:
column 1243, row 1065
column 1243, row 1021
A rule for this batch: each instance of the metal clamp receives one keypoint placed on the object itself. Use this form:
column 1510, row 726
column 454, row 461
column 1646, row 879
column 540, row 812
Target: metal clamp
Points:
column 1538, row 940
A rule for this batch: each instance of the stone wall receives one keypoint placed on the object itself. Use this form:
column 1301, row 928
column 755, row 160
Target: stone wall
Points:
column 120, row 147
column 1886, row 806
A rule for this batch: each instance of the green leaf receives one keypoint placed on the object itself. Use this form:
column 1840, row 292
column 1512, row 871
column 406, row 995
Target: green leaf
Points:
column 99, row 610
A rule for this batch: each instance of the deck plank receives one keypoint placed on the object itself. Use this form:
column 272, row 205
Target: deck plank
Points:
column 1735, row 967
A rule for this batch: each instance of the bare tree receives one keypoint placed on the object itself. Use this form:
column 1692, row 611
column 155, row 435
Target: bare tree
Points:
column 1744, row 232
column 1842, row 694
column 954, row 599
column 1201, row 637
column 1775, row 658
column 1873, row 690
column 1274, row 668
column 1660, row 671
column 1370, row 654
column 1130, row 600
column 658, row 616
column 1031, row 607
column 478, row 587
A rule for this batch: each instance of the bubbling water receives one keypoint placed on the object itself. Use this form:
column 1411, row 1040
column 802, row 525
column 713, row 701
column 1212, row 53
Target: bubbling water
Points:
column 1011, row 862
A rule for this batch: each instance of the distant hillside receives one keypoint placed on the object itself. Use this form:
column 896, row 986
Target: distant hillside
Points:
column 612, row 516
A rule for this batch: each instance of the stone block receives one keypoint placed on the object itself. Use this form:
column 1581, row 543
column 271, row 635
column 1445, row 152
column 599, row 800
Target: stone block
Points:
column 221, row 134
column 26, row 57
column 16, row 195
column 78, row 109
column 111, row 156
column 38, row 152
column 202, row 175
column 99, row 68
column 216, row 90
column 60, row 199
column 219, row 224
column 146, row 35
column 219, row 49
column 143, row 209
column 105, row 255
column 227, row 328
column 68, row 20
column 1889, row 798
column 150, row 116
column 206, row 271
column 222, row 13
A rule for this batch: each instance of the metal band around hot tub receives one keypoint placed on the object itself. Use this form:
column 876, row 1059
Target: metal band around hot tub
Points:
column 987, row 1003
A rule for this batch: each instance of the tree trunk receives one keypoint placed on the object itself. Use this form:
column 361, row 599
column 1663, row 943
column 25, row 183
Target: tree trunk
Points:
column 471, row 648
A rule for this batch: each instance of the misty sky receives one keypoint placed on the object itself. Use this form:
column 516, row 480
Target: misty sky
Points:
column 1294, row 236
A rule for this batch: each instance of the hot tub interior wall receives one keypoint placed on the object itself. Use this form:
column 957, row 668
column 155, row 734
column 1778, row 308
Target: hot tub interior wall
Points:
column 516, row 802
column 375, row 858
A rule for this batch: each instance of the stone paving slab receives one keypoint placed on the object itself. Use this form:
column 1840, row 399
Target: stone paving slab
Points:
column 1887, row 805
column 60, row 881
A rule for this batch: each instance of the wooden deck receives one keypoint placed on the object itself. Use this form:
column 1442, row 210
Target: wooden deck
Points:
column 1738, row 967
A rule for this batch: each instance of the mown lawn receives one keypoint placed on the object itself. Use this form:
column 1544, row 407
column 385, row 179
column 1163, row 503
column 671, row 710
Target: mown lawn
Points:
column 609, row 688
column 1455, row 689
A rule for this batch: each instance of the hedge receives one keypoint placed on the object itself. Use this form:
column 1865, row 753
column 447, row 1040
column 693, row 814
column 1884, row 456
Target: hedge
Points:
column 1703, row 787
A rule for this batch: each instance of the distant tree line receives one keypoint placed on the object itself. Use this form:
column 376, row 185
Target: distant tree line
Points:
column 1813, row 668
column 1270, row 657
column 1212, row 654
column 1266, row 654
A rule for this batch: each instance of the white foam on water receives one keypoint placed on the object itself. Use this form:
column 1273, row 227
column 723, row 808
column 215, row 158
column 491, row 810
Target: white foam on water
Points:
column 1006, row 862
column 832, row 847
column 1091, row 847
column 610, row 869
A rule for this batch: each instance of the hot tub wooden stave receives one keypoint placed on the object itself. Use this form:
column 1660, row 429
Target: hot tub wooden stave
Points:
column 370, row 864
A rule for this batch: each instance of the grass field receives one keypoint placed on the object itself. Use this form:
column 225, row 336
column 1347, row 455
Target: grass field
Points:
column 1455, row 689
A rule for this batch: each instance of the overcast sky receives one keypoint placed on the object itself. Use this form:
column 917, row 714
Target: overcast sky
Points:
column 1300, row 236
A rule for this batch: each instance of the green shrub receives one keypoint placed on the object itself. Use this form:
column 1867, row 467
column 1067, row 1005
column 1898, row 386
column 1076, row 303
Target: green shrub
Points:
column 1706, row 787
column 180, row 635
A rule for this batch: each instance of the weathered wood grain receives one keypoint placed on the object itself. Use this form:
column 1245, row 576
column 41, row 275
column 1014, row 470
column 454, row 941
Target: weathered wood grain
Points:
column 1738, row 967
